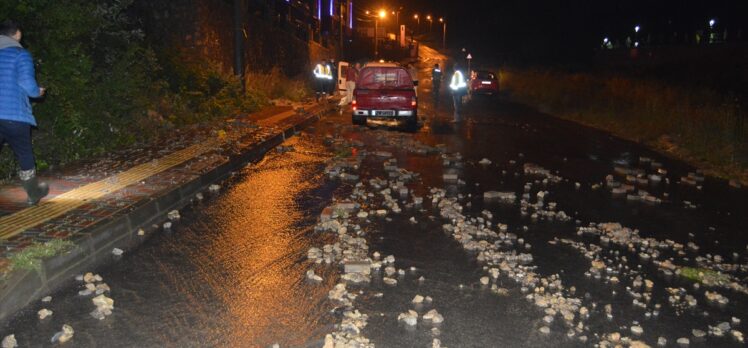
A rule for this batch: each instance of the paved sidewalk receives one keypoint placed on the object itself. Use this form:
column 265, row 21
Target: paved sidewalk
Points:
column 85, row 193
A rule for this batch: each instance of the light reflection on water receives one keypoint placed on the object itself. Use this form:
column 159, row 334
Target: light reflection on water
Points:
column 230, row 274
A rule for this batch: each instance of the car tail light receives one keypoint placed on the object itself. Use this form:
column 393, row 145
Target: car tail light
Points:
column 413, row 102
column 486, row 82
column 353, row 103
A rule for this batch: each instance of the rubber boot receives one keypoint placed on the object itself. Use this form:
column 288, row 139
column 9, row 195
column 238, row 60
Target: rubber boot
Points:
column 35, row 190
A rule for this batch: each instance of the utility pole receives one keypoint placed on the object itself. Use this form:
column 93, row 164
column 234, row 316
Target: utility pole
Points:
column 239, row 41
column 376, row 44
column 340, row 17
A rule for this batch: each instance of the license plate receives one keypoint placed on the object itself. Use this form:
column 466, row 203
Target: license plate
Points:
column 384, row 113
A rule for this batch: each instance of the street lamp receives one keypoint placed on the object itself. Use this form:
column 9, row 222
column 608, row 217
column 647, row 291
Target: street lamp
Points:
column 712, row 22
column 444, row 32
column 636, row 29
column 418, row 20
column 381, row 15
column 430, row 22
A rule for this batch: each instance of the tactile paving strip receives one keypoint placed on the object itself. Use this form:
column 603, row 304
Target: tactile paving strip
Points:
column 14, row 224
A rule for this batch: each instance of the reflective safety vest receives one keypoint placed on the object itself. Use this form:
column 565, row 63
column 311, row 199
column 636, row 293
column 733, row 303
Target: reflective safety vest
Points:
column 458, row 81
column 322, row 72
column 436, row 75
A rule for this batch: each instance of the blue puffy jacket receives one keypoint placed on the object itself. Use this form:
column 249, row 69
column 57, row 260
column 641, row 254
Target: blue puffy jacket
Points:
column 17, row 82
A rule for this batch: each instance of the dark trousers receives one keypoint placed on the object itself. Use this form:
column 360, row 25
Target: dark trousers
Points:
column 18, row 136
column 320, row 87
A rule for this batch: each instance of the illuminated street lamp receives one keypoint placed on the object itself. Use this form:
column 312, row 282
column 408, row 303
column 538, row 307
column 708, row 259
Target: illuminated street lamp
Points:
column 430, row 22
column 418, row 20
column 712, row 22
column 636, row 29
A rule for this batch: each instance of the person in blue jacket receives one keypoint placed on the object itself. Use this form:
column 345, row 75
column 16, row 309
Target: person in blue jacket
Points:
column 17, row 86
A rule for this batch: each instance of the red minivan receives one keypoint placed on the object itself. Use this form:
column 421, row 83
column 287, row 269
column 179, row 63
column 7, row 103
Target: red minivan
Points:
column 385, row 91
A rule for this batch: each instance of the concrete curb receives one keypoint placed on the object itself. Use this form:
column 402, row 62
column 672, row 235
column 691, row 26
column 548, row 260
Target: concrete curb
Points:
column 93, row 245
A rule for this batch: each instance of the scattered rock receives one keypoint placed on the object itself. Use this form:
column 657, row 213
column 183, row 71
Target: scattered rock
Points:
column 63, row 336
column 433, row 316
column 409, row 318
column 173, row 215
column 117, row 252
column 9, row 341
column 44, row 313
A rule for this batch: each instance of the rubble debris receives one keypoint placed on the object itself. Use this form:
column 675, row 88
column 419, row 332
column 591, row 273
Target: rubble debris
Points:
column 63, row 336
column 44, row 313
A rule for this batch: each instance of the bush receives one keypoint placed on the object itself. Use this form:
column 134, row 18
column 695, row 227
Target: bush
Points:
column 107, row 89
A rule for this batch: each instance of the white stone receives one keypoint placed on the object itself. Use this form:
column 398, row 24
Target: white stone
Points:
column 545, row 330
column 409, row 318
column 9, row 341
column 737, row 336
column 484, row 280
column 433, row 316
column 173, row 215
column 65, row 335
column 117, row 252
column 389, row 281
column 44, row 313
column 418, row 299
column 637, row 330
column 47, row 299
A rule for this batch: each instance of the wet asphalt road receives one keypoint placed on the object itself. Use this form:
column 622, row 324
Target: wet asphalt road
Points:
column 232, row 271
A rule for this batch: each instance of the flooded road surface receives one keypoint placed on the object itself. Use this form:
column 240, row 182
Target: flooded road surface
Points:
column 229, row 273
column 516, row 229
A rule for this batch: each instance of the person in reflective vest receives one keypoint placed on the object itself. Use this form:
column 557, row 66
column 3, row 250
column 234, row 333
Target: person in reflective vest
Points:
column 436, row 82
column 322, row 77
column 458, row 87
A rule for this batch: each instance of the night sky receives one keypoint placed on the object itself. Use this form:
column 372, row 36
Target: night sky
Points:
column 541, row 31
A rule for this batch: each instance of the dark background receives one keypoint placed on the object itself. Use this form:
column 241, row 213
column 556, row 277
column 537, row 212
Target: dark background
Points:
column 567, row 32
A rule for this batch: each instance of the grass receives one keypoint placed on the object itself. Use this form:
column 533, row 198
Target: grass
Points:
column 703, row 275
column 695, row 125
column 31, row 257
column 343, row 152
column 275, row 85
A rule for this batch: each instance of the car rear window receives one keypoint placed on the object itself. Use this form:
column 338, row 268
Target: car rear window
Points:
column 384, row 78
column 485, row 75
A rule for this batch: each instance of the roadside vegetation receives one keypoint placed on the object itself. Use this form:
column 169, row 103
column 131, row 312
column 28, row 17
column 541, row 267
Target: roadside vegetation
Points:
column 30, row 258
column 700, row 126
column 108, row 89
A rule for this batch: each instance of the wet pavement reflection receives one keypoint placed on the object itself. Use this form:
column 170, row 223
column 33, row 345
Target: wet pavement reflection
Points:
column 228, row 274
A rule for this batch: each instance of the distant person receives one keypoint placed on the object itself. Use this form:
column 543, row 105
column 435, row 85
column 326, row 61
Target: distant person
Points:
column 333, row 82
column 350, row 83
column 414, row 77
column 436, row 82
column 321, row 78
column 17, row 85
column 458, row 87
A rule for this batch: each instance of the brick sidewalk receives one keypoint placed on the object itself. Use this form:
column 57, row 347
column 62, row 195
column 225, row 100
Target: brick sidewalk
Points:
column 67, row 211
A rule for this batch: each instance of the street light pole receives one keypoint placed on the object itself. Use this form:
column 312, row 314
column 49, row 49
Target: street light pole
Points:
column 444, row 33
column 431, row 22
column 376, row 42
column 239, row 41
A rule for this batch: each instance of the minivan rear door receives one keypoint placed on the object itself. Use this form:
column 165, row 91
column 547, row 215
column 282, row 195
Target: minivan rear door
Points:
column 342, row 74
